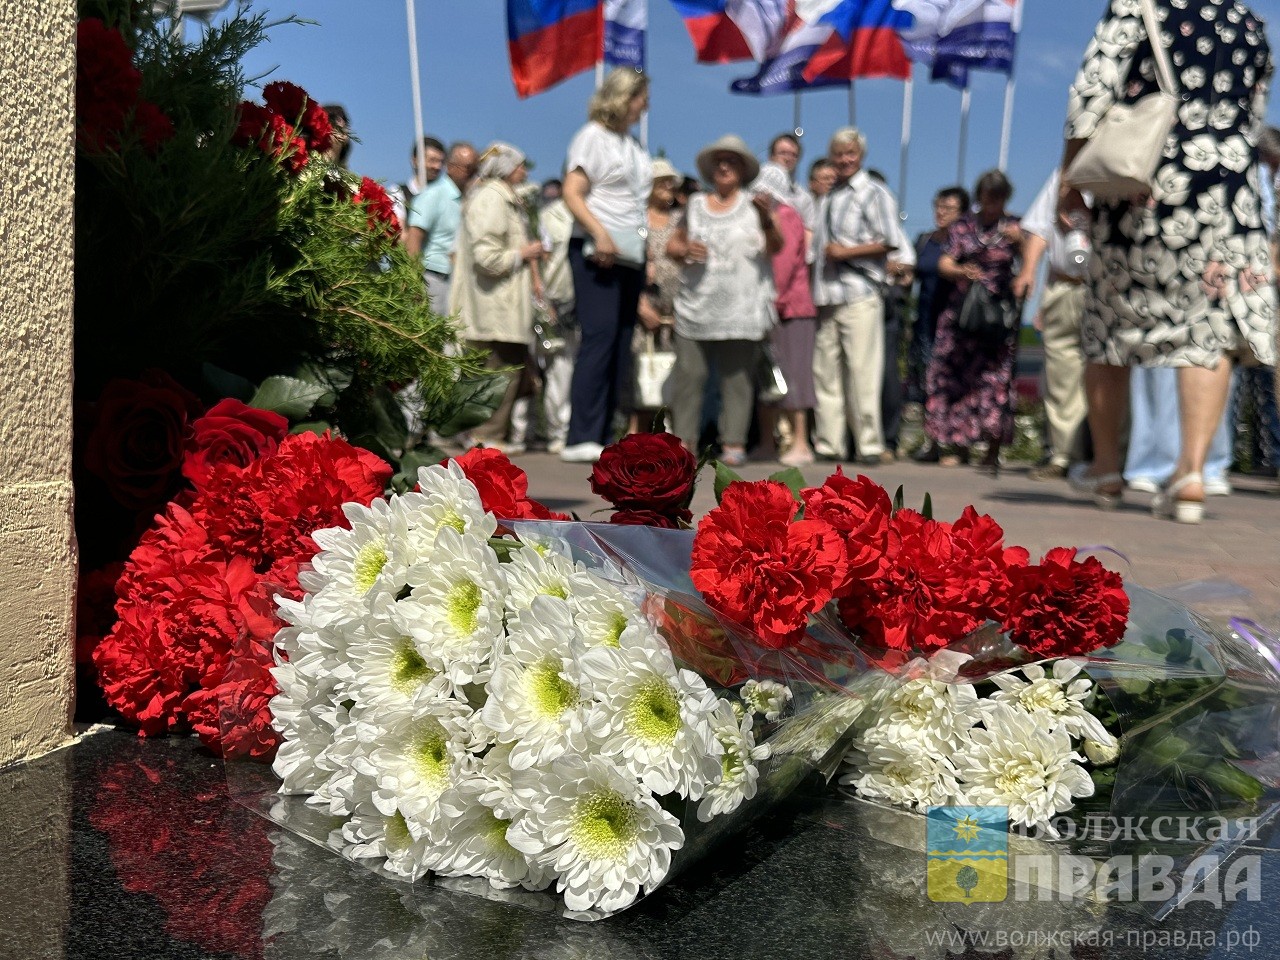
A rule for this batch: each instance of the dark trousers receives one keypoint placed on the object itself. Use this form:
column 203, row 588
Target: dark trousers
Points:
column 495, row 429
column 920, row 351
column 891, row 382
column 606, row 306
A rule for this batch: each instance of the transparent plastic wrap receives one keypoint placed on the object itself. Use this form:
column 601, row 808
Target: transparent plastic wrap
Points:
column 1192, row 775
column 601, row 734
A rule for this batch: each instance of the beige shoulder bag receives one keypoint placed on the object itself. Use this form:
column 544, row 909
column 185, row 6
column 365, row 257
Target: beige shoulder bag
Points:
column 1121, row 158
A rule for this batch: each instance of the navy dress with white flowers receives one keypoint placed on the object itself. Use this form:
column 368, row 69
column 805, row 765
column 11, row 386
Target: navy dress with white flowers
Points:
column 1186, row 280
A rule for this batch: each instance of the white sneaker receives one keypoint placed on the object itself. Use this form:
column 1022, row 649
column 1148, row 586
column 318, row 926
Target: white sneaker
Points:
column 1217, row 487
column 555, row 446
column 582, row 453
column 1143, row 485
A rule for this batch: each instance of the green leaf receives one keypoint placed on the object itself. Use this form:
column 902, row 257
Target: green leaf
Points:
column 724, row 477
column 898, row 500
column 318, row 427
column 227, row 384
column 927, row 509
column 407, row 475
column 474, row 400
column 288, row 396
column 793, row 480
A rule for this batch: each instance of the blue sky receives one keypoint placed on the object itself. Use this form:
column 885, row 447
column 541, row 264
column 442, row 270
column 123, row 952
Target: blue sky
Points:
column 357, row 55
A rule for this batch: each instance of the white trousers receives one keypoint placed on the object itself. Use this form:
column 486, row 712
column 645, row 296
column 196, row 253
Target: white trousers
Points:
column 1061, row 310
column 848, row 368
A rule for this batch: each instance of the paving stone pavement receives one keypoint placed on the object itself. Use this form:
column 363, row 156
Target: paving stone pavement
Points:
column 1228, row 565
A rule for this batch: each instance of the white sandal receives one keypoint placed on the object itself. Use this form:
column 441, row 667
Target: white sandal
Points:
column 1167, row 505
column 1104, row 499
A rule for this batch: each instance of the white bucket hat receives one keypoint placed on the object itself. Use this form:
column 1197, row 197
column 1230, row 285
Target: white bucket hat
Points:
column 730, row 143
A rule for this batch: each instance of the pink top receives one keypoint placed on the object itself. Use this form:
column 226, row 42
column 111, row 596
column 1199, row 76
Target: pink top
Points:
column 790, row 272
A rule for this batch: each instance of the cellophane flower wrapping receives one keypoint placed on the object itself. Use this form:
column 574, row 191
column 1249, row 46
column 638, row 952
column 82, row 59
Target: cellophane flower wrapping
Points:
column 540, row 711
column 1165, row 745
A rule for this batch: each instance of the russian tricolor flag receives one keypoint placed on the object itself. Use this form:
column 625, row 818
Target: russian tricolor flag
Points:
column 865, row 41
column 727, row 30
column 625, row 23
column 551, row 40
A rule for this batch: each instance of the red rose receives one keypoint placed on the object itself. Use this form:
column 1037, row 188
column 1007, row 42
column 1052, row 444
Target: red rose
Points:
column 107, row 84
column 135, row 444
column 646, row 471
column 1064, row 607
column 859, row 510
column 503, row 487
column 378, row 206
column 652, row 518
column 759, row 569
column 230, row 433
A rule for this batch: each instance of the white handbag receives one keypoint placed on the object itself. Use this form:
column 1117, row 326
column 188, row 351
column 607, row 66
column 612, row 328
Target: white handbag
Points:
column 653, row 371
column 1120, row 160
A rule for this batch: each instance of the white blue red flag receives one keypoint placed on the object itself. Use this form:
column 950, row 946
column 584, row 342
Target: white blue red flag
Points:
column 551, row 40
column 727, row 30
column 954, row 36
column 625, row 22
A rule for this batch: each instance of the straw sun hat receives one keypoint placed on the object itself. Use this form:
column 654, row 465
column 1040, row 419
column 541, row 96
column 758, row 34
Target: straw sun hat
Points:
column 663, row 170
column 728, row 144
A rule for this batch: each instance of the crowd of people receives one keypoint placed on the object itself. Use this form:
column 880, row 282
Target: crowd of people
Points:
column 795, row 321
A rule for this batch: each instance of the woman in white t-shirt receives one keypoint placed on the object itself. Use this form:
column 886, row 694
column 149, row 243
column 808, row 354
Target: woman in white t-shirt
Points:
column 606, row 188
column 724, row 309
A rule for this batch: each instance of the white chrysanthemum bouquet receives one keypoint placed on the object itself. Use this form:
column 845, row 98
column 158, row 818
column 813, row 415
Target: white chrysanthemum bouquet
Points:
column 474, row 705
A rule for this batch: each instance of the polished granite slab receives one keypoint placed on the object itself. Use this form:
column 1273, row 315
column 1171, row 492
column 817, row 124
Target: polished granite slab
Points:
column 132, row 849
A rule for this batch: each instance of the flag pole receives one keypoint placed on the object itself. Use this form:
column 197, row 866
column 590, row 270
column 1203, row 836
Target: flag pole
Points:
column 853, row 105
column 419, row 129
column 964, row 132
column 795, row 115
column 1006, row 128
column 907, row 94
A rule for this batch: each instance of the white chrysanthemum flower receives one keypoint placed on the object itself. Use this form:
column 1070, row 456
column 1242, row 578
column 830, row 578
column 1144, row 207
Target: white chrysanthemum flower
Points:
column 766, row 697
column 414, row 759
column 538, row 697
column 653, row 719
column 1101, row 753
column 1059, row 697
column 386, row 669
column 455, row 612
column 346, row 789
column 603, row 612
column 819, row 728
column 445, row 499
column 494, row 769
column 533, row 572
column 937, row 714
column 905, row 772
column 738, row 758
column 373, row 835
column 1021, row 762
column 302, row 711
column 353, row 561
column 469, row 839
column 602, row 833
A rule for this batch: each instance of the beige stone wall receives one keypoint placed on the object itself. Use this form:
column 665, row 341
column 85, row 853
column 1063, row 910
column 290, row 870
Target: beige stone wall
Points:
column 37, row 545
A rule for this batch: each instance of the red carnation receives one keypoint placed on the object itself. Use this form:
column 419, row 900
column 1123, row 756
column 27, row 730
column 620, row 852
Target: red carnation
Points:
column 981, row 542
column 646, row 471
column 1064, row 607
column 925, row 601
column 503, row 487
column 758, row 568
column 107, row 84
column 285, row 98
column 135, row 444
column 95, row 609
column 378, row 205
column 315, row 121
column 652, row 518
column 252, row 120
column 232, row 433
column 859, row 511
column 153, row 125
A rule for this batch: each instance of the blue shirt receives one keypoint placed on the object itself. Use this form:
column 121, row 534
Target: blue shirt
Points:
column 438, row 211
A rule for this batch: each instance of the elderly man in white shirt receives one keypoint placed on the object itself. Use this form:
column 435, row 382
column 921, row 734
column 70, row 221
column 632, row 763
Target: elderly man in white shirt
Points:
column 1061, row 311
column 854, row 231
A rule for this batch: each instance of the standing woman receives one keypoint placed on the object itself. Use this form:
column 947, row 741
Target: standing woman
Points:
column 724, row 309
column 1183, row 278
column 495, row 280
column 606, row 189
column 969, row 384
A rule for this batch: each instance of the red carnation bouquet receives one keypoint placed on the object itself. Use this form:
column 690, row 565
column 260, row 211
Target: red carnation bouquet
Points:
column 1051, row 690
column 195, row 609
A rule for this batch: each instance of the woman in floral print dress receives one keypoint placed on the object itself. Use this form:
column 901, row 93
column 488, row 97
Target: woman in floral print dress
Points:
column 1181, row 279
column 969, row 381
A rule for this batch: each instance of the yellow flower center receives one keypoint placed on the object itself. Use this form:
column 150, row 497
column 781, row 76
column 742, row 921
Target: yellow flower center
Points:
column 612, row 636
column 604, row 826
column 398, row 836
column 430, row 755
column 463, row 605
column 408, row 670
column 550, row 693
column 495, row 829
column 1043, row 695
column 369, row 563
column 454, row 519
column 654, row 712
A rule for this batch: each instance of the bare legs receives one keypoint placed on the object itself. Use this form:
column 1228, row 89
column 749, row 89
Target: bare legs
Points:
column 1202, row 399
column 1106, row 390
